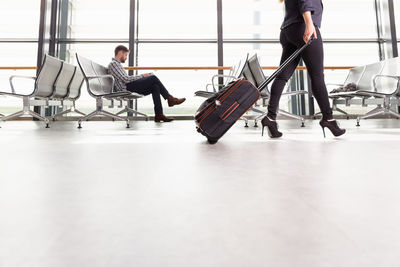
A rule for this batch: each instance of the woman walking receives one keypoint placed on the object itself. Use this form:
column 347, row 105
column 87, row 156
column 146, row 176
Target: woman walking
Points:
column 302, row 21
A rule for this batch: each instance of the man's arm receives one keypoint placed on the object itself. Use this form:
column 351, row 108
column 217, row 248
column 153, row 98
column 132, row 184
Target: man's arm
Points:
column 118, row 71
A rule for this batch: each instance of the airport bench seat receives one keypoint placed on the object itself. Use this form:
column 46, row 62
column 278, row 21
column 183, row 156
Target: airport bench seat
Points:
column 379, row 81
column 43, row 88
column 100, row 85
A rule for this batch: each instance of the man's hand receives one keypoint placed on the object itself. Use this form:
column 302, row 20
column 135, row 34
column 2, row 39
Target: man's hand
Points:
column 147, row 74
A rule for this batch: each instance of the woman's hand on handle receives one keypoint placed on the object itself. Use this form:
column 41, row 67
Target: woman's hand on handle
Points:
column 309, row 32
column 310, row 28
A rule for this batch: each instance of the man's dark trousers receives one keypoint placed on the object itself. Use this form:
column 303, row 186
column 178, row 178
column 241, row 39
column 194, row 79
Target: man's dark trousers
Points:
column 150, row 85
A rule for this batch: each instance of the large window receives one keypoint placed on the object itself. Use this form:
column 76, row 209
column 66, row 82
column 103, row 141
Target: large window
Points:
column 94, row 28
column 177, row 19
column 24, row 54
column 19, row 24
column 19, row 19
column 182, row 33
column 164, row 29
column 261, row 19
column 175, row 22
column 397, row 18
column 99, row 19
column 181, row 83
column 255, row 28
column 344, row 19
column 255, row 19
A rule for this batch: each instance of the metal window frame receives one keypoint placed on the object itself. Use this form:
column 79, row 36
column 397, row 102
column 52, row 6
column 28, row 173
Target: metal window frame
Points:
column 220, row 41
column 385, row 19
column 393, row 31
column 132, row 43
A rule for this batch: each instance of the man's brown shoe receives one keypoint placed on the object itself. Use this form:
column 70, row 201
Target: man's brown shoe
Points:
column 162, row 117
column 172, row 101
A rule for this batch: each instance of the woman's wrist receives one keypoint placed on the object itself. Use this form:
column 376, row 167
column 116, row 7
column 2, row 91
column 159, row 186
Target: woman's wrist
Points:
column 308, row 18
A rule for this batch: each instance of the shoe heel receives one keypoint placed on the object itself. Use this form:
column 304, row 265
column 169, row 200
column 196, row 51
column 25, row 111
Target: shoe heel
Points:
column 262, row 132
column 323, row 130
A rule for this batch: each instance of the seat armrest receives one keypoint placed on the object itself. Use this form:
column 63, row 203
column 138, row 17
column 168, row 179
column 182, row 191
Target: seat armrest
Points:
column 204, row 93
column 371, row 93
column 117, row 94
column 102, row 77
column 213, row 90
column 12, row 94
column 301, row 92
column 208, row 85
column 386, row 76
column 336, row 84
column 265, row 94
column 131, row 96
column 219, row 76
column 351, row 94
column 19, row 76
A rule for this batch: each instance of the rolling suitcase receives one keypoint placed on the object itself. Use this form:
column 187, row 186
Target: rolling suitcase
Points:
column 219, row 113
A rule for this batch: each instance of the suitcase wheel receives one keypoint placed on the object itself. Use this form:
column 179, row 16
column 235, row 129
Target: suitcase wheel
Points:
column 212, row 142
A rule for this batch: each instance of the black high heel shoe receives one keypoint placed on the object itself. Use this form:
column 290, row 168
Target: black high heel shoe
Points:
column 272, row 128
column 332, row 126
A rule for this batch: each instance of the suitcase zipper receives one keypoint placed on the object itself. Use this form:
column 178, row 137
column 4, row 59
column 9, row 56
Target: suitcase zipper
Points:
column 206, row 110
column 232, row 108
column 206, row 114
column 225, row 96
column 232, row 86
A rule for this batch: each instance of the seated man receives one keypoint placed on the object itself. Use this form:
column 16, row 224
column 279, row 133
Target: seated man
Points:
column 144, row 84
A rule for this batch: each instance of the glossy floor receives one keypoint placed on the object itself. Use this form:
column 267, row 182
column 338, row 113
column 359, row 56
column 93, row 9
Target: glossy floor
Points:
column 159, row 195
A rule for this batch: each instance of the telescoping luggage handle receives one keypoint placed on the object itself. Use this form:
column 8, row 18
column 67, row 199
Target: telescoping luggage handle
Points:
column 284, row 64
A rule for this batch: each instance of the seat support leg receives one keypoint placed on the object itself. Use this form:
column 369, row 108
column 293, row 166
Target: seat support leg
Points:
column 290, row 115
column 375, row 112
column 130, row 110
column 70, row 110
column 100, row 111
column 11, row 116
column 26, row 111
